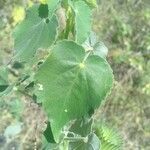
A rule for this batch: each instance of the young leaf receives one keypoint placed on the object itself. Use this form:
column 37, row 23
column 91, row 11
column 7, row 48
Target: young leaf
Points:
column 92, row 143
column 82, row 126
column 33, row 33
column 72, row 86
column 98, row 48
column 82, row 20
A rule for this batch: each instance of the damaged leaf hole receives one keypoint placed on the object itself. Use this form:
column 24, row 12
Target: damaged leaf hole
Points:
column 43, row 11
column 47, row 20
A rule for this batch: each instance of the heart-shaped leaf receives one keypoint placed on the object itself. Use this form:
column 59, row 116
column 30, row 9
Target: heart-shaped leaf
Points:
column 72, row 84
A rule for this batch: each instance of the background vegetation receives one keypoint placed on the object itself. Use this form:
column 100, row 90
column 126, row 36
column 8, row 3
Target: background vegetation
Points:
column 124, row 26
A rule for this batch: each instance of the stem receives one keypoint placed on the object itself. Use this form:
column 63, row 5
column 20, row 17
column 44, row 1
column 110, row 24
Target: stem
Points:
column 69, row 25
column 67, row 30
column 86, row 56
column 74, row 138
column 65, row 145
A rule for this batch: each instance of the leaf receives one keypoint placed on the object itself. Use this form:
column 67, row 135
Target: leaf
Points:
column 49, row 146
column 92, row 3
column 100, row 49
column 53, row 4
column 7, row 90
column 91, row 40
column 48, row 134
column 34, row 33
column 43, row 11
column 3, row 79
column 109, row 137
column 3, row 88
column 72, row 84
column 81, row 126
column 97, row 48
column 92, row 143
column 83, row 15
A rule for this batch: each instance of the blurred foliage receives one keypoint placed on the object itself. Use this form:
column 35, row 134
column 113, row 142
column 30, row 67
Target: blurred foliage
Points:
column 109, row 137
column 18, row 14
column 124, row 26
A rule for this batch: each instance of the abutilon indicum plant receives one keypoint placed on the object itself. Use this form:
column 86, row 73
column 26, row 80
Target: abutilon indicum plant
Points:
column 73, row 77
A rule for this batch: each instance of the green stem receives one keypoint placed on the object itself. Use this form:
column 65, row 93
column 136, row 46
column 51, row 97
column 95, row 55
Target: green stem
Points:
column 87, row 55
column 70, row 22
column 75, row 138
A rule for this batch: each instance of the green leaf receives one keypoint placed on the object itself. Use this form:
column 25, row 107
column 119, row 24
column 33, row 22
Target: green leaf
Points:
column 6, row 90
column 92, row 143
column 3, row 88
column 43, row 10
column 91, row 40
column 48, row 134
column 3, row 79
column 100, row 49
column 92, row 3
column 72, row 84
column 109, row 137
column 34, row 33
column 49, row 146
column 53, row 5
column 81, row 126
column 97, row 48
column 83, row 15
